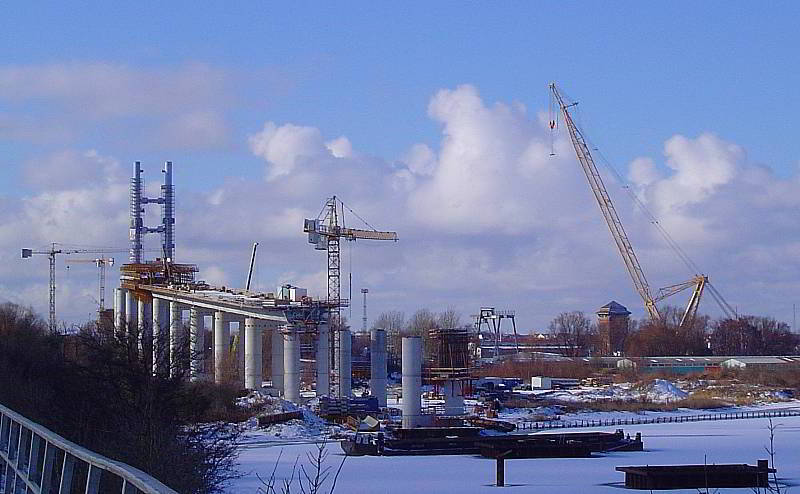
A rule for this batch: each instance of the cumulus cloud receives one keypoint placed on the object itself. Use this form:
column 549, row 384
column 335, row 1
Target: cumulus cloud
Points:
column 288, row 146
column 485, row 216
column 176, row 106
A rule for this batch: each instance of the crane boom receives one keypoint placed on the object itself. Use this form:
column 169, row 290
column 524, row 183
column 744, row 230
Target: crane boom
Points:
column 607, row 207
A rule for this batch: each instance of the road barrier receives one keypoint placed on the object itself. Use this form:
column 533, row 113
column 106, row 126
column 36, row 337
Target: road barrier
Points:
column 35, row 460
column 669, row 419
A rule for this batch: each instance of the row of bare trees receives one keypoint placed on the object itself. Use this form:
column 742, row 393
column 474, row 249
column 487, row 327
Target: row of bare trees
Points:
column 419, row 324
column 747, row 335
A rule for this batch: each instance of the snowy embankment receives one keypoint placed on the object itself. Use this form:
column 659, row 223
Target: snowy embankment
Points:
column 740, row 441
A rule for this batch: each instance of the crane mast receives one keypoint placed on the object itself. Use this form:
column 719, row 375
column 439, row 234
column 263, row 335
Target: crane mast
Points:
column 607, row 207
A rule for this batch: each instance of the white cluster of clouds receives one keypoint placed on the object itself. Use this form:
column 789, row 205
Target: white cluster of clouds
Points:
column 485, row 216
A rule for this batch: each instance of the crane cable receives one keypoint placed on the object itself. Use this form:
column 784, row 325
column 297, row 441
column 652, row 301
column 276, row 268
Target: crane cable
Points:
column 681, row 254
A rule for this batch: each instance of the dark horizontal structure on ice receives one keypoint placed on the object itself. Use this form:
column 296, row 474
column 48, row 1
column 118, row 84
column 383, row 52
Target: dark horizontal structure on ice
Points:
column 667, row 477
column 471, row 441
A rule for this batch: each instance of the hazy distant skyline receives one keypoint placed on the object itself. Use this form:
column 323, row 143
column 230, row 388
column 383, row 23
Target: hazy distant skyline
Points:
column 430, row 120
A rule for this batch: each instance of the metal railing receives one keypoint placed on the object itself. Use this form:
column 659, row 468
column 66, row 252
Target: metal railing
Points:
column 35, row 460
column 669, row 419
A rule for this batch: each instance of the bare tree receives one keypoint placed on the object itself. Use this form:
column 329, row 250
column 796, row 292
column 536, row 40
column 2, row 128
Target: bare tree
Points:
column 573, row 330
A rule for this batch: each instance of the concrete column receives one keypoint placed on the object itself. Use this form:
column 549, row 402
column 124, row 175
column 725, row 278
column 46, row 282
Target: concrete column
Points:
column 240, row 360
column 277, row 360
column 130, row 312
column 119, row 308
column 252, row 353
column 323, row 360
column 453, row 398
column 345, row 363
column 222, row 337
column 291, row 364
column 377, row 352
column 175, row 338
column 160, row 347
column 142, row 322
column 412, row 381
column 197, row 334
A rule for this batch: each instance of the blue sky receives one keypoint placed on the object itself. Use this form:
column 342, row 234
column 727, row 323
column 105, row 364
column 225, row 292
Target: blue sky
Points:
column 369, row 71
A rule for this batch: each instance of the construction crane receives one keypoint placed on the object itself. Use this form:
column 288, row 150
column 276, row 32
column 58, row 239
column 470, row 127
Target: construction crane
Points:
column 326, row 233
column 101, row 263
column 56, row 249
column 698, row 282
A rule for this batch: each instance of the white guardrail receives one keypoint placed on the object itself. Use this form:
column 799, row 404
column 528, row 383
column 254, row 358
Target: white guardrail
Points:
column 35, row 460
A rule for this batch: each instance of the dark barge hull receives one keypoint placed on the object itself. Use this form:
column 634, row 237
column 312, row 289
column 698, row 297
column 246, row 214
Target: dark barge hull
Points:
column 469, row 441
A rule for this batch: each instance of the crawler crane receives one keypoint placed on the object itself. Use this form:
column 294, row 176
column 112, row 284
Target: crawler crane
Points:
column 698, row 282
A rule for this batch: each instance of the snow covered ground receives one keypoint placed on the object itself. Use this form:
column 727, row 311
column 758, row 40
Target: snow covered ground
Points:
column 736, row 441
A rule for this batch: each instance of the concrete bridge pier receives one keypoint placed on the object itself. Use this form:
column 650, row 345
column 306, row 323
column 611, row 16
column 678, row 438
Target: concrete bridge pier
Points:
column 323, row 360
column 222, row 338
column 277, row 360
column 252, row 354
column 291, row 364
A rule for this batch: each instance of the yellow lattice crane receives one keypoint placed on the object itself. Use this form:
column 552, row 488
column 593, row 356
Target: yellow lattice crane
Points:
column 698, row 282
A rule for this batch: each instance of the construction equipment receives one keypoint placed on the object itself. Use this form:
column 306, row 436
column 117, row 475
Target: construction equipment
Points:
column 326, row 233
column 493, row 319
column 56, row 249
column 698, row 281
column 252, row 263
column 101, row 264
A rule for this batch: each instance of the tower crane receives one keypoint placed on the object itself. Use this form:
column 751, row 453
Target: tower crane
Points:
column 56, row 249
column 326, row 233
column 698, row 282
column 101, row 263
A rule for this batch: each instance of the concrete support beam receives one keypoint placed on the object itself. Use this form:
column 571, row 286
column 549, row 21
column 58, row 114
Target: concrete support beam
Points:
column 323, row 360
column 291, row 364
column 277, row 360
column 377, row 352
column 197, row 334
column 412, row 381
column 176, row 339
column 345, row 363
column 222, row 337
column 252, row 354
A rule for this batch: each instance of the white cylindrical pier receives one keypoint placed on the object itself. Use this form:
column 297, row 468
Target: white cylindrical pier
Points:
column 252, row 353
column 323, row 360
column 412, row 381
column 377, row 351
column 277, row 360
column 197, row 334
column 176, row 339
column 240, row 360
column 345, row 363
column 119, row 308
column 160, row 349
column 222, row 338
column 291, row 364
column 130, row 312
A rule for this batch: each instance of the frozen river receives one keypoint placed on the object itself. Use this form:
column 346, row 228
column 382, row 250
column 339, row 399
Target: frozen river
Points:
column 735, row 441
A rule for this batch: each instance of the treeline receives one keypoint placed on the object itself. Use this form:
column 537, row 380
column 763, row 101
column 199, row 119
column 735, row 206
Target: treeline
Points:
column 747, row 335
column 93, row 388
